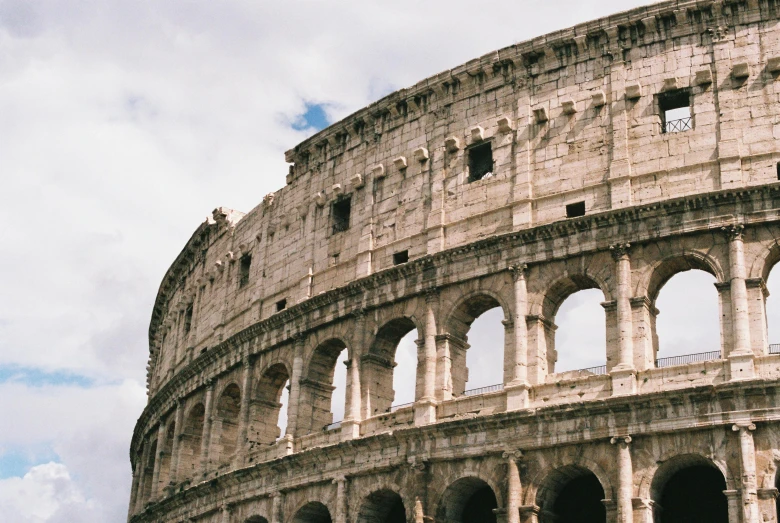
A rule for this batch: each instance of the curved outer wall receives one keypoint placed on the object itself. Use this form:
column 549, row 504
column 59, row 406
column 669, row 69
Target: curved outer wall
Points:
column 273, row 295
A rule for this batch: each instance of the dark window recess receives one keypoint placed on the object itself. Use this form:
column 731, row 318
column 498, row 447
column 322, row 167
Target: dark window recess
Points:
column 480, row 162
column 778, row 170
column 340, row 212
column 575, row 209
column 400, row 257
column 675, row 109
column 281, row 305
column 188, row 319
column 243, row 270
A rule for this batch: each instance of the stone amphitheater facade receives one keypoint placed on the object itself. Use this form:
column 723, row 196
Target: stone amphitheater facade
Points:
column 511, row 181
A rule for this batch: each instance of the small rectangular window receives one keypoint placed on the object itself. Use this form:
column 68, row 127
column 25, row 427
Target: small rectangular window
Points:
column 340, row 212
column 400, row 257
column 281, row 305
column 675, row 109
column 243, row 270
column 480, row 162
column 575, row 209
column 188, row 319
column 778, row 170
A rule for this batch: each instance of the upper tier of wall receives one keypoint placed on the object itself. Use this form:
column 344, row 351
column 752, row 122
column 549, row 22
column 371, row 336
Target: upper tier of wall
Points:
column 572, row 116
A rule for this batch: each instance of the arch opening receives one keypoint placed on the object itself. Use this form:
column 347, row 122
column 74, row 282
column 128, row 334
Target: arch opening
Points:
column 191, row 440
column 388, row 371
column 573, row 327
column 226, row 424
column 148, row 471
column 325, row 387
column 683, row 330
column 313, row 512
column 382, row 506
column 772, row 307
column 476, row 345
column 571, row 494
column 255, row 519
column 165, row 456
column 689, row 489
column 269, row 409
column 468, row 500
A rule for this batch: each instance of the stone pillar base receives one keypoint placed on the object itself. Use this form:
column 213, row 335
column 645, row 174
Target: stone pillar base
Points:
column 623, row 381
column 424, row 412
column 285, row 445
column 741, row 366
column 516, row 396
column 350, row 429
column 501, row 515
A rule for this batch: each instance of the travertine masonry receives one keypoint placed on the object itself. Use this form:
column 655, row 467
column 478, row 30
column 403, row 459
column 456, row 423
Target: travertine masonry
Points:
column 512, row 181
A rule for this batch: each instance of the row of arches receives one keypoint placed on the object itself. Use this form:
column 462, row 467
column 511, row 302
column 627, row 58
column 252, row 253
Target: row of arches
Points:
column 685, row 489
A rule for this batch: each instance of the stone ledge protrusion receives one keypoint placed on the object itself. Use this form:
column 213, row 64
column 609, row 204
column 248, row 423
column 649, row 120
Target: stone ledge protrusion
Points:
column 421, row 154
column 569, row 106
column 477, row 133
column 633, row 91
column 378, row 171
column 452, row 144
column 540, row 114
column 773, row 64
column 599, row 98
column 504, row 124
column 740, row 71
column 357, row 181
column 400, row 163
column 703, row 77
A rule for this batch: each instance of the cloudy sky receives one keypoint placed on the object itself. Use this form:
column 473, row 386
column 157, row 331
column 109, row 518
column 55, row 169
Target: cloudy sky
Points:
column 122, row 125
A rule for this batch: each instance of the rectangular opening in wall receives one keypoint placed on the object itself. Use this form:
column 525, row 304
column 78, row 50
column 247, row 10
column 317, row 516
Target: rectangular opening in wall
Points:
column 400, row 257
column 340, row 212
column 575, row 209
column 243, row 270
column 281, row 305
column 778, row 170
column 188, row 319
column 675, row 111
column 480, row 162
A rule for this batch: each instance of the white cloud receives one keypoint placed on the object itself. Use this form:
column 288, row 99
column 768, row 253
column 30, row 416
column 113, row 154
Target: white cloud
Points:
column 43, row 494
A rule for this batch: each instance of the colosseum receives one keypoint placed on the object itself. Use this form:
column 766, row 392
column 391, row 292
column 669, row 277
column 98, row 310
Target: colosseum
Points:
column 610, row 156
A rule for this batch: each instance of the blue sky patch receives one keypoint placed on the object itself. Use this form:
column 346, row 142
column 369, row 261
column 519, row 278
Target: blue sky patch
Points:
column 313, row 118
column 16, row 462
column 38, row 378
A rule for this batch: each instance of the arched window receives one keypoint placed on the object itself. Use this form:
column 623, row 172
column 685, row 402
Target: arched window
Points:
column 571, row 494
column 255, row 519
column 689, row 489
column 226, row 424
column 468, row 500
column 192, row 437
column 148, row 471
column 382, row 506
column 686, row 327
column 773, row 310
column 313, row 512
column 323, row 390
column 268, row 419
column 475, row 343
column 388, row 371
column 165, row 456
column 571, row 333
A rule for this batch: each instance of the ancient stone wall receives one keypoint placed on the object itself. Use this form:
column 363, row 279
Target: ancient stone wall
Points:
column 612, row 155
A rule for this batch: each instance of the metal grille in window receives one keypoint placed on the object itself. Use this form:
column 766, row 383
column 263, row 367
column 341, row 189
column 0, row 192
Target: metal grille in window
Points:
column 341, row 211
column 480, row 162
column 679, row 125
column 675, row 111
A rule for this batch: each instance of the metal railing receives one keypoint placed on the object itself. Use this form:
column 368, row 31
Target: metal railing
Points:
column 672, row 361
column 484, row 390
column 600, row 370
column 677, row 126
column 401, row 406
column 774, row 348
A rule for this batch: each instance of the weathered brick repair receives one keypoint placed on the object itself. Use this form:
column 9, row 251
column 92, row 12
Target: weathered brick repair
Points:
column 612, row 155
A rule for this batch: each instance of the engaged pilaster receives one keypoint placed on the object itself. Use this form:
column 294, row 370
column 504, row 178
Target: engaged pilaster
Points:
column 741, row 356
column 425, row 408
column 295, row 385
column 625, row 507
column 747, row 455
column 341, row 500
column 624, row 373
column 243, row 420
column 513, row 486
column 208, row 418
column 517, row 388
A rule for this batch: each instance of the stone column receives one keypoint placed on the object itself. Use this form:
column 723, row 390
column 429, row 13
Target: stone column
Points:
column 139, row 498
column 341, row 500
column 517, row 388
column 350, row 427
column 157, row 459
column 177, row 432
column 732, row 502
column 625, row 506
column 243, row 417
column 295, row 385
column 529, row 514
column 740, row 357
column 624, row 373
column 205, row 442
column 513, row 486
column 425, row 408
column 419, row 481
column 276, row 507
column 749, row 487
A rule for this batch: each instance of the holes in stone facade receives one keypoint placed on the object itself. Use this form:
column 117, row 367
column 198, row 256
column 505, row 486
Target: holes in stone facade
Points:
column 400, row 257
column 340, row 214
column 574, row 210
column 281, row 305
column 675, row 111
column 480, row 161
column 243, row 270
